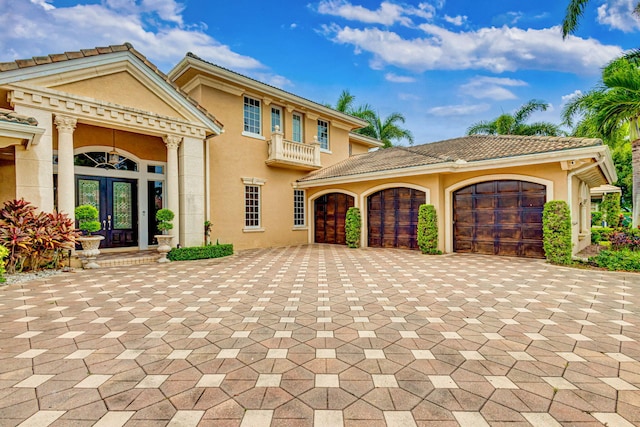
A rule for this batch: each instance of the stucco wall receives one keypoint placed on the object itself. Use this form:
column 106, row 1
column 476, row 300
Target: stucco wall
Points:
column 7, row 177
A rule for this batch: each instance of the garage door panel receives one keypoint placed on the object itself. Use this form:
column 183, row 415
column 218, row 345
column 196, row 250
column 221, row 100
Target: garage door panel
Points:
column 392, row 217
column 330, row 214
column 506, row 218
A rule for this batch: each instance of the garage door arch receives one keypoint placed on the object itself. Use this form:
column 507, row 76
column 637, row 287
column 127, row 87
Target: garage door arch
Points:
column 499, row 217
column 329, row 215
column 392, row 217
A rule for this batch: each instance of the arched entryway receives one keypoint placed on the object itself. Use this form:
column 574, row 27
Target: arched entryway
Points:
column 330, row 211
column 392, row 217
column 501, row 217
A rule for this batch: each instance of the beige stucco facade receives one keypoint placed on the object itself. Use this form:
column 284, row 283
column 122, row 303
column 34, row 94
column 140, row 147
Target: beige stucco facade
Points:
column 192, row 144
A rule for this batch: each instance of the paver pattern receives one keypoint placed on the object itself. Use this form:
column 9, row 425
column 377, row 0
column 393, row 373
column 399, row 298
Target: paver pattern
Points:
column 323, row 335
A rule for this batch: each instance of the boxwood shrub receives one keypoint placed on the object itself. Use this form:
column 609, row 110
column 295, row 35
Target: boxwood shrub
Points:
column 3, row 254
column 622, row 260
column 353, row 222
column 556, row 229
column 600, row 234
column 428, row 230
column 200, row 252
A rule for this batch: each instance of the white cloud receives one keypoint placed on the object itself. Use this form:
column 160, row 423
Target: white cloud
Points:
column 391, row 77
column 494, row 49
column 566, row 98
column 456, row 20
column 387, row 14
column 481, row 87
column 458, row 110
column 154, row 27
column 618, row 14
column 408, row 97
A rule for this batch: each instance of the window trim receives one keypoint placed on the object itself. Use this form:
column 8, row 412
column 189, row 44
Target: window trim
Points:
column 320, row 140
column 293, row 121
column 257, row 183
column 299, row 196
column 246, row 128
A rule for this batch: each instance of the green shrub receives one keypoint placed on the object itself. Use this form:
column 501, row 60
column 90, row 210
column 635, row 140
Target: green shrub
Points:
column 611, row 209
column 352, row 226
column 428, row 230
column 3, row 254
column 200, row 252
column 596, row 218
column 556, row 229
column 622, row 260
column 600, row 234
column 87, row 217
column 164, row 218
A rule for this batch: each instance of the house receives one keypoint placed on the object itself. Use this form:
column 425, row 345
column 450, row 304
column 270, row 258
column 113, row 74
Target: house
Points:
column 267, row 167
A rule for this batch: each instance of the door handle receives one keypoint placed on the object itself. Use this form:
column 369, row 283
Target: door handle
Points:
column 109, row 222
column 104, row 225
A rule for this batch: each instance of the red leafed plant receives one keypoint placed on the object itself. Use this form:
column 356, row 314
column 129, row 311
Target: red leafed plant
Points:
column 34, row 239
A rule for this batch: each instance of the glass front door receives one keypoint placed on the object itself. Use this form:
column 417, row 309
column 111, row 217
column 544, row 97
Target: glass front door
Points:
column 117, row 202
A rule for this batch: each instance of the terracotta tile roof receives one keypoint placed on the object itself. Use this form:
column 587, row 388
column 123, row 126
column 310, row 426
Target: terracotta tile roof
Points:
column 468, row 149
column 83, row 53
column 11, row 117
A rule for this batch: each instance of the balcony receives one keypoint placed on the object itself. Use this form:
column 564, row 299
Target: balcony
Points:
column 292, row 155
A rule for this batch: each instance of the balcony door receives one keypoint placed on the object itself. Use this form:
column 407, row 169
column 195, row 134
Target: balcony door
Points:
column 117, row 202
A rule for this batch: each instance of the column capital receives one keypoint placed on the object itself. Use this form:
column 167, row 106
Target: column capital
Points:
column 65, row 123
column 172, row 141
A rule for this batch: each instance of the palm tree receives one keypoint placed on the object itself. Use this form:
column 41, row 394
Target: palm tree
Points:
column 514, row 124
column 614, row 105
column 575, row 10
column 385, row 130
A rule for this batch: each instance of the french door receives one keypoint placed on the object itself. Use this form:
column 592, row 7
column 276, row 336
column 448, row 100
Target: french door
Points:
column 117, row 202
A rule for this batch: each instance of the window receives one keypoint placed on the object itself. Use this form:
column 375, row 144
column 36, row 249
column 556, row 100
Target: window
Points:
column 297, row 127
column 298, row 208
column 276, row 118
column 252, row 123
column 323, row 134
column 252, row 206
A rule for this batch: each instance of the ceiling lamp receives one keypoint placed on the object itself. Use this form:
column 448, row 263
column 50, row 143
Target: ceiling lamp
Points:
column 114, row 156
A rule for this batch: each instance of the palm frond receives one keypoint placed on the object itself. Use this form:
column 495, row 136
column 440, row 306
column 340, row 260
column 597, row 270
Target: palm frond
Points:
column 575, row 10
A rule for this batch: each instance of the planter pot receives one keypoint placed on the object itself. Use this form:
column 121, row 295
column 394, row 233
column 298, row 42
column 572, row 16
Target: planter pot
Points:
column 90, row 250
column 164, row 246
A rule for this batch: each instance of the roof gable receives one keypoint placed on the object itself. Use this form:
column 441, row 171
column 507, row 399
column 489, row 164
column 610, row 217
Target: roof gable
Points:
column 115, row 74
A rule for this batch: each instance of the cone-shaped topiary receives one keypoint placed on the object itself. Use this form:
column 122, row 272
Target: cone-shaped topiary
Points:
column 87, row 217
column 353, row 222
column 428, row 230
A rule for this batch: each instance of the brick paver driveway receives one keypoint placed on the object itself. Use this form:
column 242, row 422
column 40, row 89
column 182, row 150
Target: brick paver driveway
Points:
column 325, row 336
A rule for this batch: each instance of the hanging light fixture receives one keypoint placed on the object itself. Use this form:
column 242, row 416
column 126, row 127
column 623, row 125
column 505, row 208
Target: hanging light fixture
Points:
column 114, row 157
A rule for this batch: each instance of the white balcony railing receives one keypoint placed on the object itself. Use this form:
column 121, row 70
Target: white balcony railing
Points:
column 291, row 154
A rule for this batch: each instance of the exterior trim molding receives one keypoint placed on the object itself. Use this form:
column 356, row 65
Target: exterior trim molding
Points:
column 448, row 198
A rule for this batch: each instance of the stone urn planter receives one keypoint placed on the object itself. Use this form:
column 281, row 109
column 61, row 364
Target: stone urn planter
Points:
column 90, row 250
column 164, row 246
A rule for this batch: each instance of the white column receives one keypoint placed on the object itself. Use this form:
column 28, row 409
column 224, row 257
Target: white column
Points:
column 34, row 167
column 173, row 193
column 192, row 197
column 66, row 180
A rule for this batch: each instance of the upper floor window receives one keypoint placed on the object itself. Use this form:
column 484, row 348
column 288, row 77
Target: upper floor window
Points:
column 252, row 116
column 276, row 118
column 297, row 127
column 323, row 134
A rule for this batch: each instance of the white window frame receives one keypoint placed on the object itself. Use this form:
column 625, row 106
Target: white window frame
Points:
column 255, row 184
column 323, row 137
column 280, row 117
column 249, row 116
column 299, row 208
column 293, row 127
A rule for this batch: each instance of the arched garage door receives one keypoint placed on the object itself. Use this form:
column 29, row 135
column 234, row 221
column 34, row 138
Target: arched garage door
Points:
column 499, row 218
column 392, row 217
column 330, row 211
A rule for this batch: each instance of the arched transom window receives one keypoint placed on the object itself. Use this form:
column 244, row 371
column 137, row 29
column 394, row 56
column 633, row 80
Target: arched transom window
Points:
column 105, row 160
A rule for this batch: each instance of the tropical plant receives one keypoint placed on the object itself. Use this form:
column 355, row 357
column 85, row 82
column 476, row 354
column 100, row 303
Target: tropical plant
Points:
column 575, row 10
column 34, row 239
column 164, row 217
column 428, row 230
column 614, row 106
column 207, row 231
column 87, row 217
column 514, row 124
column 352, row 226
column 3, row 254
column 556, row 232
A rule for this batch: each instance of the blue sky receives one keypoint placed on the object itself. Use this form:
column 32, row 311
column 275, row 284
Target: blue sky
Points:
column 443, row 64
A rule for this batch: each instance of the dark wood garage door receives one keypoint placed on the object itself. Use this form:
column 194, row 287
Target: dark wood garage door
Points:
column 330, row 213
column 499, row 218
column 392, row 218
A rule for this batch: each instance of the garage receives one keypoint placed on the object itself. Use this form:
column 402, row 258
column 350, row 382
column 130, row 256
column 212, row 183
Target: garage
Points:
column 392, row 217
column 330, row 211
column 499, row 218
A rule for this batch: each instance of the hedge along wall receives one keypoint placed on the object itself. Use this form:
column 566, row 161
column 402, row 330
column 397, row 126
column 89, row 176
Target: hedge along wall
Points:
column 611, row 209
column 556, row 229
column 352, row 227
column 428, row 230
